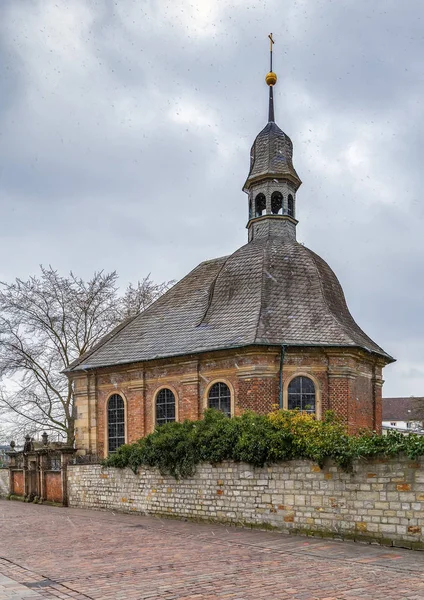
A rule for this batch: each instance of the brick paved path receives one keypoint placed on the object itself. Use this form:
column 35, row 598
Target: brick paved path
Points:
column 79, row 554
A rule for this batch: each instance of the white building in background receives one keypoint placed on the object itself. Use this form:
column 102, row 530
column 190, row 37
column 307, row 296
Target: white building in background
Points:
column 406, row 414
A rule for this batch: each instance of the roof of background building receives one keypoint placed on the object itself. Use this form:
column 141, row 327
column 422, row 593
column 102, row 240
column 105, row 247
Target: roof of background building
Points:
column 403, row 409
column 272, row 291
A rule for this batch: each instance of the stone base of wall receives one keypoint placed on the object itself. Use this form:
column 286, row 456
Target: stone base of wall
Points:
column 4, row 482
column 381, row 501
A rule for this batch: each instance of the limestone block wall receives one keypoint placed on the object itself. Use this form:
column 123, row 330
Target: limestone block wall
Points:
column 4, row 482
column 382, row 500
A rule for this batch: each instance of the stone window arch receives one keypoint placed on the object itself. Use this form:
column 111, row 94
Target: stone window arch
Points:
column 115, row 422
column 301, row 394
column 219, row 396
column 165, row 406
column 290, row 206
column 276, row 203
column 260, row 205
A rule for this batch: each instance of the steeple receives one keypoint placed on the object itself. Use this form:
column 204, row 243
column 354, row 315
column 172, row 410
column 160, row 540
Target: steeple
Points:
column 272, row 182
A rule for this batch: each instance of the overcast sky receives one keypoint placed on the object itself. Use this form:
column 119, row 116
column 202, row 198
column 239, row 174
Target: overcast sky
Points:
column 125, row 130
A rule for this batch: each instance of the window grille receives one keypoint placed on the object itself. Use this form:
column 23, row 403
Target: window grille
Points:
column 220, row 398
column 301, row 394
column 116, row 422
column 54, row 463
column 165, row 407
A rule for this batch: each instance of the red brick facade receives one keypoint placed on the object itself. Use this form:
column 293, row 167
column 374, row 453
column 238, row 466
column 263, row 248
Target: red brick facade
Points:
column 347, row 381
column 53, row 486
column 18, row 487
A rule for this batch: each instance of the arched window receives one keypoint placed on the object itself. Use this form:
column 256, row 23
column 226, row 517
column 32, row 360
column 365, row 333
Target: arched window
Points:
column 219, row 397
column 250, row 209
column 260, row 205
column 301, row 394
column 115, row 422
column 290, row 206
column 276, row 203
column 165, row 406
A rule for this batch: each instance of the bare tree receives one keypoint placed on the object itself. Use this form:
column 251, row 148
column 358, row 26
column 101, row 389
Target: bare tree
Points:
column 137, row 298
column 46, row 323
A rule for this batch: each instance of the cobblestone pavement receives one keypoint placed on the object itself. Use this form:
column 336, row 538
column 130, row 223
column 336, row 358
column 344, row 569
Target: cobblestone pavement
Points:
column 48, row 552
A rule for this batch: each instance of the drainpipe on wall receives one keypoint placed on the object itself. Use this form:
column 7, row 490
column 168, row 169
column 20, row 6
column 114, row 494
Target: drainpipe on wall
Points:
column 282, row 354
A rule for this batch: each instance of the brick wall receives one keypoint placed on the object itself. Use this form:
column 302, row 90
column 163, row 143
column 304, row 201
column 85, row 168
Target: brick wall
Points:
column 382, row 500
column 348, row 382
column 18, row 483
column 53, row 486
column 4, row 482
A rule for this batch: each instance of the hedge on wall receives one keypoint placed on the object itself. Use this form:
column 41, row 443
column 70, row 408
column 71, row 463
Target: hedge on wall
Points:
column 176, row 448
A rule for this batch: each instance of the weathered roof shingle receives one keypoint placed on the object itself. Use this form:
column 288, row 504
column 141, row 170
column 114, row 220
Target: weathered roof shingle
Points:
column 271, row 291
column 272, row 156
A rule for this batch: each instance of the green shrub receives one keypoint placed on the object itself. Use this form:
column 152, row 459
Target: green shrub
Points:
column 177, row 448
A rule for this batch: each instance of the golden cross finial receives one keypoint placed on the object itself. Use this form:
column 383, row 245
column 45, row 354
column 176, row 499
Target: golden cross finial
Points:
column 271, row 42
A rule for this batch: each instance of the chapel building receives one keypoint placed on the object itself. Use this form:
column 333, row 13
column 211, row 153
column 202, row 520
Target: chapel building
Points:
column 266, row 326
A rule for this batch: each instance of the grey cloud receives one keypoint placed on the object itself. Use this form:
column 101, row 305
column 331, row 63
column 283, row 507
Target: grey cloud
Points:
column 125, row 142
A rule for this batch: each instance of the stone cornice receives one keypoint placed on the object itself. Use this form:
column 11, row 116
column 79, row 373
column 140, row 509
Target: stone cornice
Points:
column 340, row 372
column 137, row 385
column 250, row 371
column 274, row 218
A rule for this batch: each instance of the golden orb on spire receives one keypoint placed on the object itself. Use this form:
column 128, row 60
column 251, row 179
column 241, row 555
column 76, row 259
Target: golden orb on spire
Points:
column 271, row 78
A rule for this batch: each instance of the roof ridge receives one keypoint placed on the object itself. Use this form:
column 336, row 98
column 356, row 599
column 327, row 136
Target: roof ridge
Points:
column 212, row 289
column 324, row 294
column 262, row 292
column 335, row 316
column 121, row 326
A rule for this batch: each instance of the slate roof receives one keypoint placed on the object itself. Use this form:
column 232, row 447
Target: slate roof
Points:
column 403, row 409
column 271, row 291
column 271, row 156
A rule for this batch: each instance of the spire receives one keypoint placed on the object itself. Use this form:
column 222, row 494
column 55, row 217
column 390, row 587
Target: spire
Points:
column 271, row 80
column 272, row 182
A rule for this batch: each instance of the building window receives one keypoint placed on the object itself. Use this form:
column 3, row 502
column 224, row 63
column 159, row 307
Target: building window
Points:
column 276, row 203
column 393, row 424
column 219, row 397
column 115, row 422
column 260, row 205
column 290, row 206
column 301, row 394
column 165, row 407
